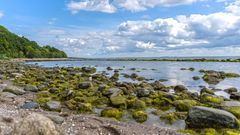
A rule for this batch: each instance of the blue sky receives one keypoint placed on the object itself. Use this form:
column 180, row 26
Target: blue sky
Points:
column 120, row 28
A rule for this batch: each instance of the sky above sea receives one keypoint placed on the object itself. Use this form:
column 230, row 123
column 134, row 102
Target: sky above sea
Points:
column 128, row 28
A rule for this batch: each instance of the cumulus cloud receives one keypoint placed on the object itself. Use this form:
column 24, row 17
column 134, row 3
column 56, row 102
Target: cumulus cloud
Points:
column 111, row 6
column 91, row 5
column 1, row 14
column 213, row 34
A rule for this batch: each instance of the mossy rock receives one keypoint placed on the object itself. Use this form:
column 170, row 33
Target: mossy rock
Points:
column 140, row 116
column 188, row 131
column 211, row 99
column 136, row 104
column 84, row 108
column 119, row 101
column 231, row 75
column 184, row 105
column 206, row 90
column 209, row 131
column 172, row 117
column 162, row 103
column 196, row 78
column 111, row 113
column 230, row 132
column 71, row 104
column 235, row 110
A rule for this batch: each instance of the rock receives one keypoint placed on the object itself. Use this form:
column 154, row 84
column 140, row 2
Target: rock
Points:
column 109, row 68
column 102, row 87
column 119, row 101
column 30, row 105
column 235, row 96
column 16, row 75
column 211, row 99
column 84, row 108
column 31, row 88
column 143, row 92
column 180, row 88
column 213, row 77
column 206, row 90
column 157, row 85
column 8, row 95
column 35, row 124
column 184, row 105
column 230, row 104
column 140, row 116
column 85, row 85
column 231, row 90
column 205, row 117
column 14, row 90
column 53, row 106
column 196, row 78
column 55, row 118
column 112, row 92
column 111, row 113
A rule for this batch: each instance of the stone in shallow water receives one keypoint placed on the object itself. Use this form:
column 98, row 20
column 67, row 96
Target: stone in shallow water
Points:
column 205, row 117
column 235, row 96
column 30, row 105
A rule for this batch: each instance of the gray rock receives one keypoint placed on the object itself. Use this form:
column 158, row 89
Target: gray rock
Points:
column 53, row 105
column 180, row 88
column 30, row 105
column 35, row 124
column 85, row 85
column 112, row 92
column 55, row 118
column 231, row 90
column 31, row 88
column 14, row 90
column 143, row 92
column 235, row 96
column 230, row 104
column 205, row 117
column 8, row 95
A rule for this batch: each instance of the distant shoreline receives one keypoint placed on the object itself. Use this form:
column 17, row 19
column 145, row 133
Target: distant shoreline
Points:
column 169, row 59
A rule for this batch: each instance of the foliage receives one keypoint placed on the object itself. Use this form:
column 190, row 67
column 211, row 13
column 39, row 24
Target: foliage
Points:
column 13, row 46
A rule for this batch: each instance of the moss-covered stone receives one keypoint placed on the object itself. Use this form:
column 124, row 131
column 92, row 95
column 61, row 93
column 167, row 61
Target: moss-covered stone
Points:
column 136, row 104
column 231, row 75
column 140, row 116
column 184, row 105
column 111, row 113
column 119, row 101
column 84, row 108
column 209, row 131
column 211, row 99
column 173, row 117
column 235, row 110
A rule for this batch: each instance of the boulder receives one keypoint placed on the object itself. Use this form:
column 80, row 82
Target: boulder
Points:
column 205, row 117
column 213, row 77
column 35, row 124
column 14, row 90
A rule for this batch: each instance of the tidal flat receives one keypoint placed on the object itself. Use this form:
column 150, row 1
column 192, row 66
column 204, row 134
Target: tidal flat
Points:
column 186, row 97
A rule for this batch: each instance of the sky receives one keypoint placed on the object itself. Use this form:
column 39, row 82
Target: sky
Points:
column 128, row 28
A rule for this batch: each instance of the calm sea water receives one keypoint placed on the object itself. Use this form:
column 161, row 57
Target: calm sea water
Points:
column 161, row 70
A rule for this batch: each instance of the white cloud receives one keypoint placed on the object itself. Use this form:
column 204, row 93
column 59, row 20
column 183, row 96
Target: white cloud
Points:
column 1, row 14
column 91, row 5
column 144, row 45
column 111, row 6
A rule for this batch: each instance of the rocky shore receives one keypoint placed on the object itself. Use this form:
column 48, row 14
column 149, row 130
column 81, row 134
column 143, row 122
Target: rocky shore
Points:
column 37, row 100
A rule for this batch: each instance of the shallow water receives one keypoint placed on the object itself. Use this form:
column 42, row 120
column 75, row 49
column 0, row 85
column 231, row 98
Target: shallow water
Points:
column 162, row 70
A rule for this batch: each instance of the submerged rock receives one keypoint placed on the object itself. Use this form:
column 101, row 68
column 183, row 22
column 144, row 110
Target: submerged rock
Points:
column 180, row 88
column 213, row 77
column 205, row 117
column 35, row 124
column 235, row 96
column 231, row 90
